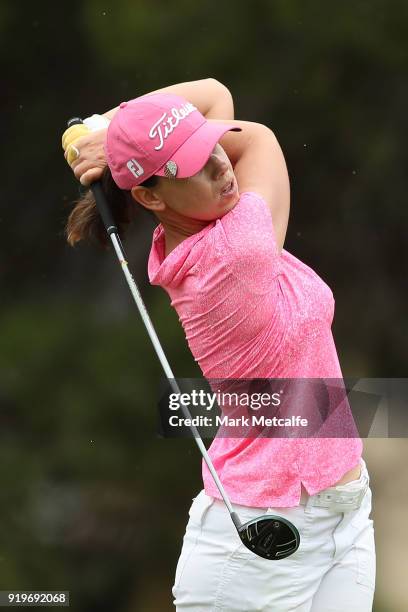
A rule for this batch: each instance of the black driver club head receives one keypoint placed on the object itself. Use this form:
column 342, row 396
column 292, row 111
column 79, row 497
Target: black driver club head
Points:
column 271, row 537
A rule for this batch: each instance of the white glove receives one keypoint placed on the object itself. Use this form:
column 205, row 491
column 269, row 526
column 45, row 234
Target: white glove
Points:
column 97, row 122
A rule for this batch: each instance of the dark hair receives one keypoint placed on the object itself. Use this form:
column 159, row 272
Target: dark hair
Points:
column 85, row 222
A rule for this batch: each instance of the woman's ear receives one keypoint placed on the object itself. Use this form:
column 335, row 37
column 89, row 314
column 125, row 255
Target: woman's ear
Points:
column 148, row 198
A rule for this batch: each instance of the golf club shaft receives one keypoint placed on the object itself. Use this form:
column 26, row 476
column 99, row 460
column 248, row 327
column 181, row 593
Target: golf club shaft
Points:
column 112, row 231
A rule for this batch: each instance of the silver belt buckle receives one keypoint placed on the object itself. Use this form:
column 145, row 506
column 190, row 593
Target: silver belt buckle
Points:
column 339, row 501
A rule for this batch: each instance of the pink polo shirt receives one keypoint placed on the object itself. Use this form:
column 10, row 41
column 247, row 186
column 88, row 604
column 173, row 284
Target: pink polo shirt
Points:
column 248, row 312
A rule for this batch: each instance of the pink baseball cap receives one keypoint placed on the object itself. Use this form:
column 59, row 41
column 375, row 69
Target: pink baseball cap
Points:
column 160, row 134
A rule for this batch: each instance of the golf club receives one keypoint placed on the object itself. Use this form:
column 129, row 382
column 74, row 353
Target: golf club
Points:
column 268, row 536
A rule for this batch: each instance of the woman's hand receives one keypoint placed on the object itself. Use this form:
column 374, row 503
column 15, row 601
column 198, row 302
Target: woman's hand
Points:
column 91, row 161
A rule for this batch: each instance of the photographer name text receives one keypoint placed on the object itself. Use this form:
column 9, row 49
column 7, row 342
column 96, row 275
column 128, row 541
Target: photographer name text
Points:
column 243, row 421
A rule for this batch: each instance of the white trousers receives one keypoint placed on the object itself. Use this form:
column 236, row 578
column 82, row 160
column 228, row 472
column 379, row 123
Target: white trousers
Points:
column 333, row 570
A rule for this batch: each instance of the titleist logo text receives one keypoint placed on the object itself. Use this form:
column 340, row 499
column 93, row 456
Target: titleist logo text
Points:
column 168, row 123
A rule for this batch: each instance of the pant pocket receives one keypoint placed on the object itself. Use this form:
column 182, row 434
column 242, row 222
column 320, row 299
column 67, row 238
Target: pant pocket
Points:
column 189, row 543
column 197, row 510
column 229, row 594
column 366, row 558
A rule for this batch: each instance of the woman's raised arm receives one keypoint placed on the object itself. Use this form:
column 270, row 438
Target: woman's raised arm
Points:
column 212, row 98
column 259, row 166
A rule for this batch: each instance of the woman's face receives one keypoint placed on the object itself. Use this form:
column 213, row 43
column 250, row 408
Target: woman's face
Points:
column 207, row 195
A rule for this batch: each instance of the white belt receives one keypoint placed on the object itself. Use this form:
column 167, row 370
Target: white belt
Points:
column 339, row 499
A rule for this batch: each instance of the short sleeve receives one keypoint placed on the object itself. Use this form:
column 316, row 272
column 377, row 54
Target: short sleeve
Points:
column 248, row 244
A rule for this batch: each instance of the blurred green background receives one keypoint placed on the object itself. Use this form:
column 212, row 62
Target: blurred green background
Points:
column 93, row 500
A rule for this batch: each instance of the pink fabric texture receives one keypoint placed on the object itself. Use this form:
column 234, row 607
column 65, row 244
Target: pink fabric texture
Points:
column 249, row 312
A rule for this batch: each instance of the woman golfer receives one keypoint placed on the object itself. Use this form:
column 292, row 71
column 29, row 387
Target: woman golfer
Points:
column 251, row 310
